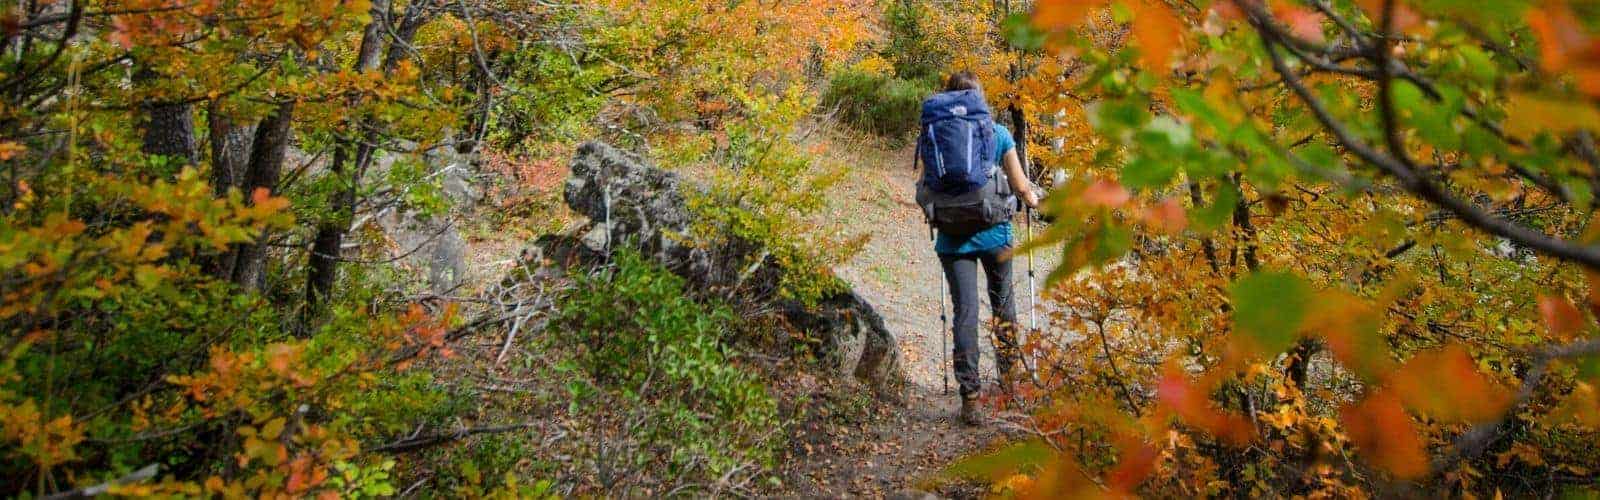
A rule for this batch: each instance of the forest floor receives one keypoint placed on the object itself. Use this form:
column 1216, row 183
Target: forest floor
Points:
column 902, row 447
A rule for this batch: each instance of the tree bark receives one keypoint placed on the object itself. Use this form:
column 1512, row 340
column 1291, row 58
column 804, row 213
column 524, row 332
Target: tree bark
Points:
column 1207, row 245
column 230, row 154
column 267, row 154
column 329, row 241
column 1247, row 229
column 169, row 131
column 230, row 149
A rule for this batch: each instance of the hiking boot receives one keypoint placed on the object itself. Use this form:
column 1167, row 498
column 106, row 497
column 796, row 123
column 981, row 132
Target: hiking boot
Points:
column 970, row 414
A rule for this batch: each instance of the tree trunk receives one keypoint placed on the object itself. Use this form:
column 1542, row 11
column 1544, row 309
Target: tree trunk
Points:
column 1300, row 361
column 169, row 131
column 1206, row 244
column 1247, row 229
column 329, row 241
column 230, row 154
column 230, row 149
column 266, row 166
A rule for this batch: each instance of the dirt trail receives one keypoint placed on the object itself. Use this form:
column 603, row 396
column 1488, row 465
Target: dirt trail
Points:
column 903, row 446
column 898, row 272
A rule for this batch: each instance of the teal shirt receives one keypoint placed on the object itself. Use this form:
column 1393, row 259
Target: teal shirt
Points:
column 997, row 236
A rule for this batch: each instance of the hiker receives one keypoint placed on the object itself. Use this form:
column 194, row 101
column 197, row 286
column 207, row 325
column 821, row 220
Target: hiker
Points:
column 971, row 181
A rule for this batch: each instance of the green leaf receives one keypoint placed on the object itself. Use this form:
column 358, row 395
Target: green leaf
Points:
column 1194, row 103
column 1478, row 65
column 1269, row 307
column 1021, row 33
column 1144, row 172
column 1220, row 211
column 1114, row 242
column 1020, row 457
column 1589, row 368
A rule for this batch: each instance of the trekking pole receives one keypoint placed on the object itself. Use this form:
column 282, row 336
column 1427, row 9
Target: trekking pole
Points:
column 1033, row 306
column 944, row 322
column 1033, row 318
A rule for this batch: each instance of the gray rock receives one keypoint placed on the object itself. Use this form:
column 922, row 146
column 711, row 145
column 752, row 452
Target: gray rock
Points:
column 435, row 243
column 630, row 202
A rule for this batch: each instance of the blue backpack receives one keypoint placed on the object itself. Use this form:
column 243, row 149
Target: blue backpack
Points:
column 963, row 190
column 956, row 143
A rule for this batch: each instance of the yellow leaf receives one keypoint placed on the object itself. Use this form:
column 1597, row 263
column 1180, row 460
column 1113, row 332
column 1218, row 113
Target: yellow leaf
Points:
column 272, row 428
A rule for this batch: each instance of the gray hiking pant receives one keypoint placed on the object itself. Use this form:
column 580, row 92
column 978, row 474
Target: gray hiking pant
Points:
column 961, row 271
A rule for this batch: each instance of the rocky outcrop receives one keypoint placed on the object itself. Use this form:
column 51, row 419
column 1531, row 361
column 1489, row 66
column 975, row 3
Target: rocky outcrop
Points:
column 629, row 202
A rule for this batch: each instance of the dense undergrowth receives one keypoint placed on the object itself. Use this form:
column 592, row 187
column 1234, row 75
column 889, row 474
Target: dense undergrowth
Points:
column 640, row 336
column 204, row 294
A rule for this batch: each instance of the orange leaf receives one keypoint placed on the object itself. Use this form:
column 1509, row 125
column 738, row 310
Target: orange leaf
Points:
column 1561, row 317
column 1404, row 17
column 1469, row 396
column 1349, row 327
column 1380, row 427
column 1059, row 14
column 1158, row 33
column 1561, row 36
column 10, row 149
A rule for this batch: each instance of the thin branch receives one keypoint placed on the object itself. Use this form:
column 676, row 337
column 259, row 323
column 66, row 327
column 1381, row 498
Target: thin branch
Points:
column 1586, row 255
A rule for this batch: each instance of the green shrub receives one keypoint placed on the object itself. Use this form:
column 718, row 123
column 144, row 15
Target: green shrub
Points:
column 883, row 105
column 641, row 339
column 913, row 47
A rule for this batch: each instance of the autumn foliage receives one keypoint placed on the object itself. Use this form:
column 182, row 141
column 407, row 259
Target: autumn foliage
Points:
column 1322, row 248
column 195, row 297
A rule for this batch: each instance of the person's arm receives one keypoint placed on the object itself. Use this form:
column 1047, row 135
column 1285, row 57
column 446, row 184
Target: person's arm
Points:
column 1019, row 180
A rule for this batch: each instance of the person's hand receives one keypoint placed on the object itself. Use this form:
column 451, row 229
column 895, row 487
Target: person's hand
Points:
column 1031, row 199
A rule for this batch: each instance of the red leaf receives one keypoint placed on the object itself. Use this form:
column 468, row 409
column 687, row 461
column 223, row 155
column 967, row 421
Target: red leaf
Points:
column 1191, row 404
column 1167, row 216
column 1134, row 464
column 1106, row 193
column 1228, row 11
column 1303, row 22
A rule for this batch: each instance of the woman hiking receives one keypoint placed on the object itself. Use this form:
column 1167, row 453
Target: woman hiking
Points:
column 969, row 192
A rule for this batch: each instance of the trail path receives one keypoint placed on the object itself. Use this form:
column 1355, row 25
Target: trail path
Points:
column 897, row 271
